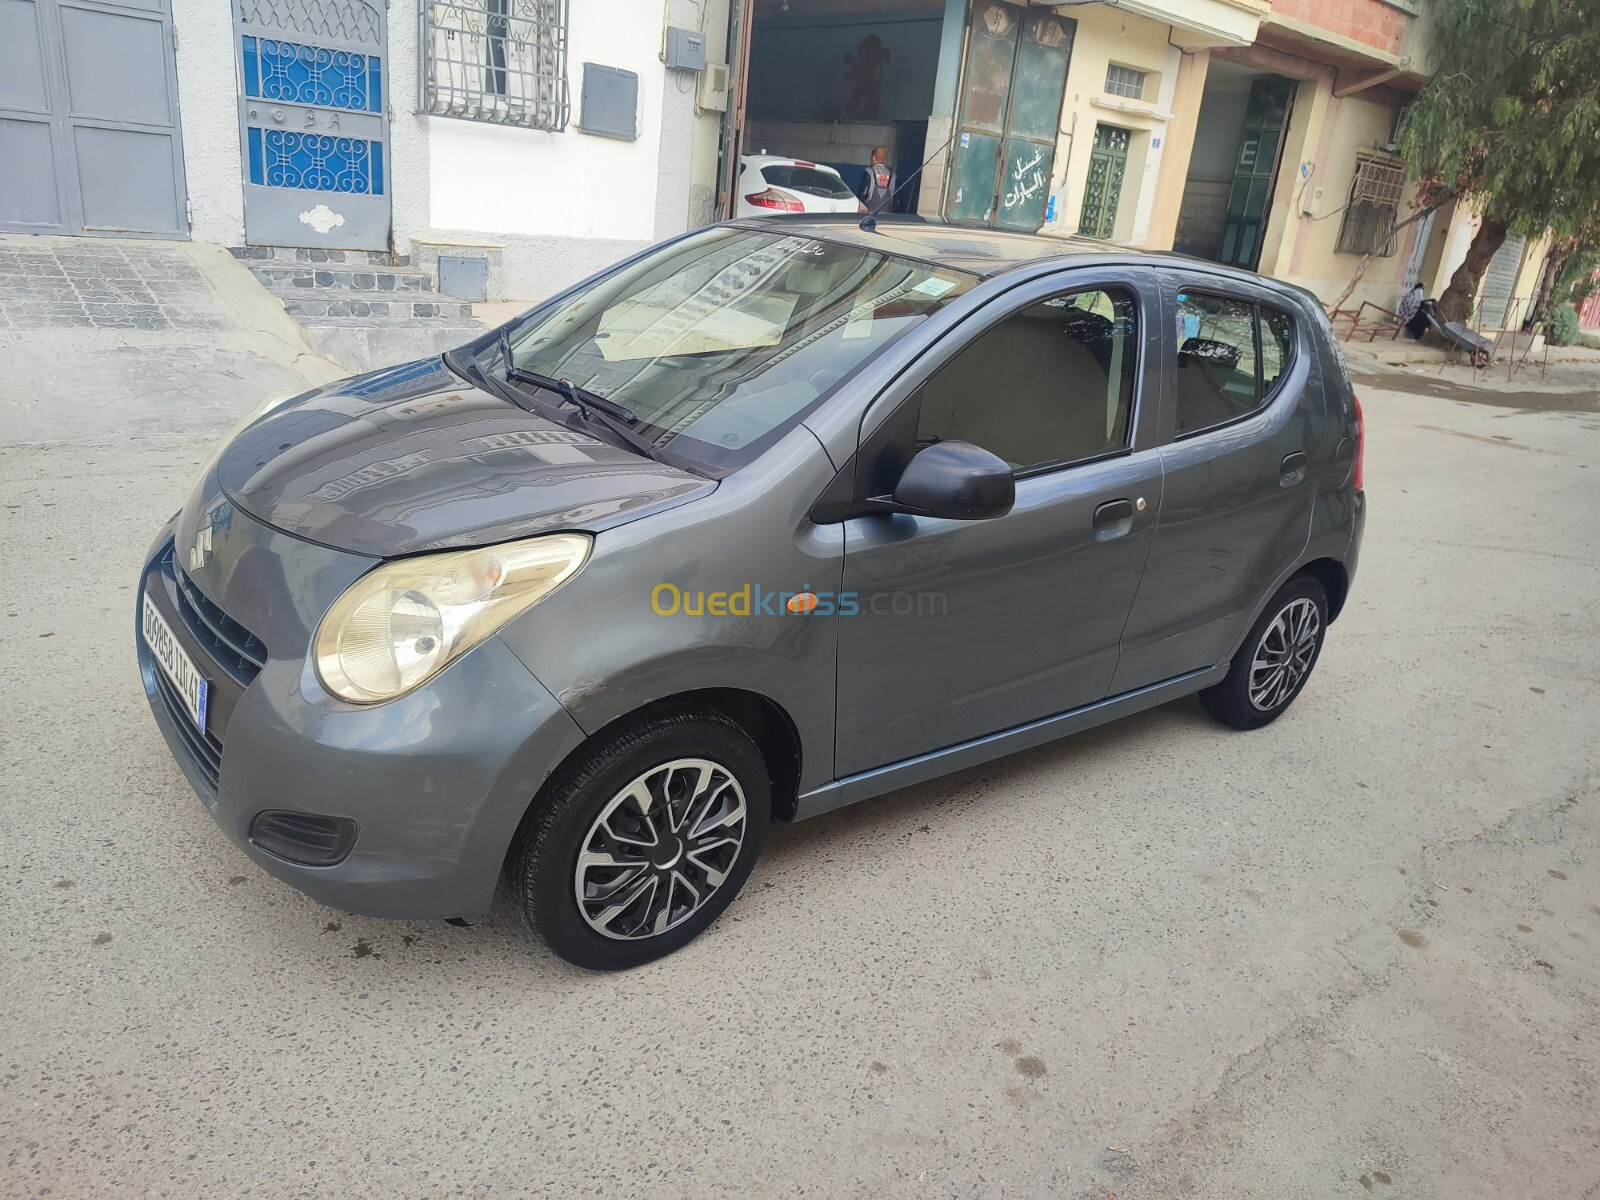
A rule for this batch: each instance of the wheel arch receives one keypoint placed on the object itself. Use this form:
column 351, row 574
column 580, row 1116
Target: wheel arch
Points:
column 1333, row 577
column 770, row 727
column 767, row 723
column 1332, row 574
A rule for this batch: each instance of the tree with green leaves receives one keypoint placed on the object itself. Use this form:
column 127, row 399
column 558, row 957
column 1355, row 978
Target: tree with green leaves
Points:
column 1510, row 122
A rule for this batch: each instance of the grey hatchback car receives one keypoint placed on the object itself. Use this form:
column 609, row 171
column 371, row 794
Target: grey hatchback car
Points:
column 771, row 518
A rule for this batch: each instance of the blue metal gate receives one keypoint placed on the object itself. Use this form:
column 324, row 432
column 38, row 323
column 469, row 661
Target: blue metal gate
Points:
column 313, row 116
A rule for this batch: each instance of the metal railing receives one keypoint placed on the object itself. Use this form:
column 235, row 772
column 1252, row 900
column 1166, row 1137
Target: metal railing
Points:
column 500, row 61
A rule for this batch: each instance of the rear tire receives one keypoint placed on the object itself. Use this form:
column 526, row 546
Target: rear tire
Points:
column 640, row 842
column 1276, row 659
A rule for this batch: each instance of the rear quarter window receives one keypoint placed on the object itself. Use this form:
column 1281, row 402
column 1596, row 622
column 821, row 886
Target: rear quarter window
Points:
column 1232, row 353
column 1277, row 347
column 809, row 180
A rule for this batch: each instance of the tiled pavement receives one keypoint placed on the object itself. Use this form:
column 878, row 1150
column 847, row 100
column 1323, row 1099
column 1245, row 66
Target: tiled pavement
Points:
column 103, row 339
column 102, row 284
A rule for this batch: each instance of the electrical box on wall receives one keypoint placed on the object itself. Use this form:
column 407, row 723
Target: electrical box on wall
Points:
column 1311, row 201
column 465, row 278
column 686, row 49
column 714, row 87
column 610, row 102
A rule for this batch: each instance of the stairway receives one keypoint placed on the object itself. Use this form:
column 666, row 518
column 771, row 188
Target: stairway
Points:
column 359, row 308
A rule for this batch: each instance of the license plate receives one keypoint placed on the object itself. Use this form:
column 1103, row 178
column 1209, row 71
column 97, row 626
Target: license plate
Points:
column 175, row 664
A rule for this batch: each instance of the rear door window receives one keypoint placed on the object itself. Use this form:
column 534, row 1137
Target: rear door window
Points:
column 1231, row 355
column 808, row 180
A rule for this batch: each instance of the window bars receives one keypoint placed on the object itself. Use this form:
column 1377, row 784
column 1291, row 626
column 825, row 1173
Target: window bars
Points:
column 1369, row 217
column 501, row 61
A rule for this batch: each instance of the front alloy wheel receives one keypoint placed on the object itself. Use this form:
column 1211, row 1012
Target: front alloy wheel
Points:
column 660, row 849
column 641, row 839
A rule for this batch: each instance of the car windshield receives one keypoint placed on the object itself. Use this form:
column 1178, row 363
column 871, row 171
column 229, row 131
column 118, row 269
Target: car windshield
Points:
column 721, row 342
column 810, row 180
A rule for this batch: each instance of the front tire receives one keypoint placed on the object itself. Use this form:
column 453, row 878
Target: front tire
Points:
column 640, row 842
column 1276, row 659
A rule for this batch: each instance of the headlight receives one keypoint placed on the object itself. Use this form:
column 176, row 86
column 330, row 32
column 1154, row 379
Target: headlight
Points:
column 406, row 621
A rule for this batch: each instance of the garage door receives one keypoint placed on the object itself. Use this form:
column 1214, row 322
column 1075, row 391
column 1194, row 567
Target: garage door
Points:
column 1500, row 281
column 89, row 119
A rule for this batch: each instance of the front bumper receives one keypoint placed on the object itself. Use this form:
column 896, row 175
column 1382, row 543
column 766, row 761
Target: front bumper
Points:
column 436, row 781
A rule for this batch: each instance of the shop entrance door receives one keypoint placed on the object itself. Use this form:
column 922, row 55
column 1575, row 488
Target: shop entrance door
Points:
column 1004, row 152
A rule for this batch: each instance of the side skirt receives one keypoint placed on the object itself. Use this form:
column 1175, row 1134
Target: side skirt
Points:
column 908, row 771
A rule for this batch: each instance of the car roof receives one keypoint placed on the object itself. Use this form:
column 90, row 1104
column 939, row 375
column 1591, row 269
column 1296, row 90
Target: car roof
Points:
column 767, row 160
column 982, row 252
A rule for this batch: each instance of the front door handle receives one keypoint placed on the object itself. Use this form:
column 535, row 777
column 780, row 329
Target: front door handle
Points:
column 1113, row 519
column 1293, row 469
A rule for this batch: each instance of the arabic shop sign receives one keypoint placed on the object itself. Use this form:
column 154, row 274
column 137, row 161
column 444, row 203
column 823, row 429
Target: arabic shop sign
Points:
column 1025, row 179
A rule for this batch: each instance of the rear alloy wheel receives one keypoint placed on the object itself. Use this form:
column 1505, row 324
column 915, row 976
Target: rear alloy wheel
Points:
column 1276, row 659
column 638, row 843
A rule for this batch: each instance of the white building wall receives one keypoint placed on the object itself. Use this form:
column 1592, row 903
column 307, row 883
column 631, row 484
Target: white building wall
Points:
column 566, row 204
column 558, row 205
column 208, row 90
column 410, row 160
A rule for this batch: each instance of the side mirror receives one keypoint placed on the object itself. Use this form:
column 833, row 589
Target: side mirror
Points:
column 957, row 481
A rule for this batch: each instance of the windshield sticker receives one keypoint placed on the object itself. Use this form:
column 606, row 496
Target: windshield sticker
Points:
column 634, row 330
column 934, row 287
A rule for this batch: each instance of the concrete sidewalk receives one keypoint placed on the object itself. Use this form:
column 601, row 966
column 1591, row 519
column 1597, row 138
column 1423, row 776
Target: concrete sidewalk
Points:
column 1570, row 382
column 1403, row 351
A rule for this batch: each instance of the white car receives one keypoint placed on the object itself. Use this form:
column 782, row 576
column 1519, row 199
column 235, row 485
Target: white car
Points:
column 769, row 184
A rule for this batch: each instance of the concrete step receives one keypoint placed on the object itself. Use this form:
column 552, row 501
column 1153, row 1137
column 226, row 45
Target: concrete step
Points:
column 286, row 278
column 371, row 306
column 362, row 344
column 375, row 258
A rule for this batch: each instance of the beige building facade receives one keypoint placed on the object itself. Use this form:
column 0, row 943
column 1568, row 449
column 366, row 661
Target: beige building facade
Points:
column 1257, row 133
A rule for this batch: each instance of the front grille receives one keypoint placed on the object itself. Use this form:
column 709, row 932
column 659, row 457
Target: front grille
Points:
column 204, row 750
column 233, row 647
column 225, row 645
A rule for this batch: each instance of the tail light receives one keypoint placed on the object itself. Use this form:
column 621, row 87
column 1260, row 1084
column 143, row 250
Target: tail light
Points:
column 1360, row 479
column 774, row 199
column 860, row 207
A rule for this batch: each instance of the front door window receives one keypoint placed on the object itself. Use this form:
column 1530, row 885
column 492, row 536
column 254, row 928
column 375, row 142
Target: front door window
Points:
column 1051, row 384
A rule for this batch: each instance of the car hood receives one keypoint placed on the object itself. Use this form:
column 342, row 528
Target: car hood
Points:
column 414, row 458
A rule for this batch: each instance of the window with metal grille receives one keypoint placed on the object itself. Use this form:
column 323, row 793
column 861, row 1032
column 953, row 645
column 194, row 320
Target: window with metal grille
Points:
column 502, row 61
column 1369, row 217
column 1125, row 81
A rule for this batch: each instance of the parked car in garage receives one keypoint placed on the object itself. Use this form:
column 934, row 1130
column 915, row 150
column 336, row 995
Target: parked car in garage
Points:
column 769, row 519
column 770, row 184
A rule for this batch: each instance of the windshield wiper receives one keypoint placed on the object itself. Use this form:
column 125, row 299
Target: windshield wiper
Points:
column 580, row 398
column 615, row 417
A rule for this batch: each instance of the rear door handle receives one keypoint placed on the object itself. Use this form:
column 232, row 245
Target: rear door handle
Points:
column 1113, row 519
column 1293, row 469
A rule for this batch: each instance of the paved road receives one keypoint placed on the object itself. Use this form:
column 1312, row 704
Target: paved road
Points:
column 1355, row 954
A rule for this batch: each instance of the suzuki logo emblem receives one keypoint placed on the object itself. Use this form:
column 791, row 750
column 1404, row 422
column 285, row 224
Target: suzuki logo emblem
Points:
column 201, row 550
